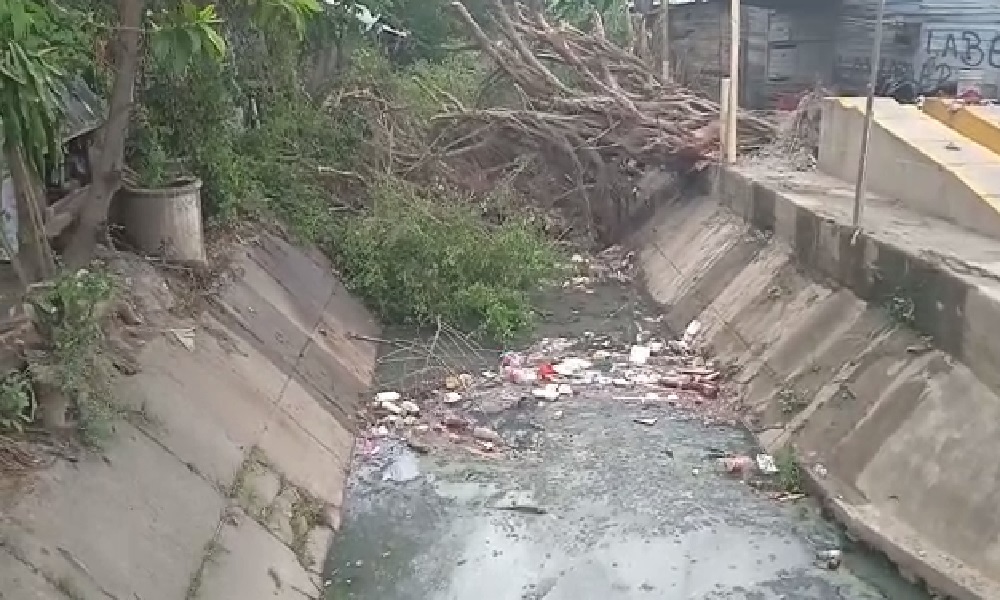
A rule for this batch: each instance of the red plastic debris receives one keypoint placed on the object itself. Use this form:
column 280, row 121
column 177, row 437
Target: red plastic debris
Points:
column 546, row 372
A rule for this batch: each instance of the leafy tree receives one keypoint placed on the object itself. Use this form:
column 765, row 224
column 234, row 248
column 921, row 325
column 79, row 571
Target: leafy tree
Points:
column 178, row 31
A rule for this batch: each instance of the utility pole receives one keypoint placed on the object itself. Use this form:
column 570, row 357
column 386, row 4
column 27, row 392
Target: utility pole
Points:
column 665, row 35
column 734, row 80
column 859, row 188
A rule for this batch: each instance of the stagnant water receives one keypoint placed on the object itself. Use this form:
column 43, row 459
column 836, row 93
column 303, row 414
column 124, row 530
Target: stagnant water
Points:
column 629, row 511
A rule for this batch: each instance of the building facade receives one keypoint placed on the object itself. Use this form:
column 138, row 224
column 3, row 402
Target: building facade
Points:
column 789, row 46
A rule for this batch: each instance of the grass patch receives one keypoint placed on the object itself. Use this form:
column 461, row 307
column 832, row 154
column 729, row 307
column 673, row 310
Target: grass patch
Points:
column 789, row 472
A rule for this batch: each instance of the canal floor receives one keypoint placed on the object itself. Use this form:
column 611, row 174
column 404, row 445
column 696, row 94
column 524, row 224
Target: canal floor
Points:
column 587, row 504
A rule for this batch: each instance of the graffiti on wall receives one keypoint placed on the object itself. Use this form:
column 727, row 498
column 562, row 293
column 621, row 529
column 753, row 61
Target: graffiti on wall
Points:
column 942, row 56
column 964, row 49
column 892, row 73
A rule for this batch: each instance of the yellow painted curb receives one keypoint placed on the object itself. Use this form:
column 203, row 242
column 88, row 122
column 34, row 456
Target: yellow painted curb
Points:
column 985, row 127
column 974, row 122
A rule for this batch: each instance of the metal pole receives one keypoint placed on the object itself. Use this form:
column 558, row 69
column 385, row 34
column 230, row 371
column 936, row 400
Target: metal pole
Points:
column 665, row 34
column 734, row 79
column 724, row 101
column 859, row 188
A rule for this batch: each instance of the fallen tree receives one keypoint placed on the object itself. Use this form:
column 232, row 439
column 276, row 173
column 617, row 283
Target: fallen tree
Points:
column 589, row 110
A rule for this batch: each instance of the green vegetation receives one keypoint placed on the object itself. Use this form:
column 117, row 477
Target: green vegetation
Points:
column 235, row 92
column 789, row 472
column 416, row 258
column 68, row 312
column 17, row 401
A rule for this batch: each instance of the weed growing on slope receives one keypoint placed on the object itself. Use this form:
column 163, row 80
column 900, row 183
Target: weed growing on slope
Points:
column 17, row 401
column 68, row 312
column 789, row 473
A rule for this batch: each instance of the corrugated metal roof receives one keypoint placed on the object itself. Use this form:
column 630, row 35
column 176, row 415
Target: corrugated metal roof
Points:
column 84, row 110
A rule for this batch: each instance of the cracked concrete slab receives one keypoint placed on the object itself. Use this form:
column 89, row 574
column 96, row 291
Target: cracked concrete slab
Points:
column 249, row 562
column 21, row 583
column 131, row 522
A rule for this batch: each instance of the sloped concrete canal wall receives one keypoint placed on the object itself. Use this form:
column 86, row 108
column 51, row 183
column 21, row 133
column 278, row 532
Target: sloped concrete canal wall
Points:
column 227, row 479
column 821, row 325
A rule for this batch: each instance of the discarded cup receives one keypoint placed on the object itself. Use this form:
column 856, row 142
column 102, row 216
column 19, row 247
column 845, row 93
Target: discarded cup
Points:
column 549, row 392
column 638, row 355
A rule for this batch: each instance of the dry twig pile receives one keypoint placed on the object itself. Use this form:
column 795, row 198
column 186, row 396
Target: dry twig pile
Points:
column 588, row 109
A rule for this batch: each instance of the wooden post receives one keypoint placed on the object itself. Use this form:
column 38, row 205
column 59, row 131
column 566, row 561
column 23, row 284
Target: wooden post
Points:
column 734, row 79
column 665, row 40
column 859, row 187
column 641, row 49
column 34, row 252
column 629, row 30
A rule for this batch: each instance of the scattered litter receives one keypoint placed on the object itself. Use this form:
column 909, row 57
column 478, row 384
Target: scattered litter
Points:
column 788, row 497
column 765, row 462
column 392, row 407
column 820, row 471
column 520, row 374
column 402, row 468
column 185, row 336
column 546, row 372
column 524, row 508
column 388, row 396
column 638, row 355
column 737, row 465
column 418, row 446
column 646, row 369
column 549, row 392
column 571, row 366
column 511, row 359
column 486, row 434
column 691, row 331
column 829, row 559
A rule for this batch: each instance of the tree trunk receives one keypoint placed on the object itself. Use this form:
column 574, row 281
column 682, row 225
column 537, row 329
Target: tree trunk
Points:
column 107, row 172
column 34, row 253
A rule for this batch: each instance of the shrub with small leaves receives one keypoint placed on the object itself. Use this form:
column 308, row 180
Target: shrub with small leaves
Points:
column 68, row 312
column 17, row 401
column 415, row 258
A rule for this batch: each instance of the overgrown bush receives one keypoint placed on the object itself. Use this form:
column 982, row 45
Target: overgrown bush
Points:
column 412, row 257
column 415, row 258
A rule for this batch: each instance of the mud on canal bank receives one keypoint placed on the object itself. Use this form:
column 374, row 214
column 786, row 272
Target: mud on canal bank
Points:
column 582, row 501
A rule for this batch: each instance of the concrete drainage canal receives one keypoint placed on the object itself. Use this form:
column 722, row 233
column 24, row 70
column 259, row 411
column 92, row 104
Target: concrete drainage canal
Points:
column 562, row 472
